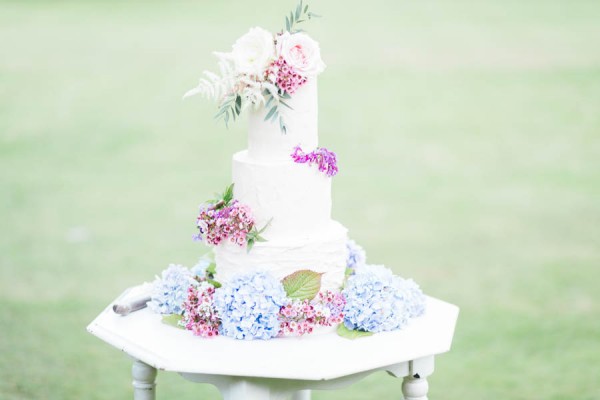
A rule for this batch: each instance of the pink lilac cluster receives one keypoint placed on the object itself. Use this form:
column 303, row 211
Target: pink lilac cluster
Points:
column 325, row 159
column 284, row 76
column 300, row 317
column 232, row 223
column 200, row 316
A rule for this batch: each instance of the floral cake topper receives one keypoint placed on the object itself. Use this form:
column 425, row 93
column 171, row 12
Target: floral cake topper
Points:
column 263, row 70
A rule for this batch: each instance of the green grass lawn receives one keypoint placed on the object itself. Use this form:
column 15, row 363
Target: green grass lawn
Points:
column 468, row 134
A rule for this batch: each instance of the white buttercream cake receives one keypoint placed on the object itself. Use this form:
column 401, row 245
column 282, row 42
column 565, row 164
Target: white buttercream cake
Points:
column 294, row 199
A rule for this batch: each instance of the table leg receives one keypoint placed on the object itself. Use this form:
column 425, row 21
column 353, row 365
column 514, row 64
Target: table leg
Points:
column 245, row 390
column 414, row 388
column 144, row 386
column 301, row 395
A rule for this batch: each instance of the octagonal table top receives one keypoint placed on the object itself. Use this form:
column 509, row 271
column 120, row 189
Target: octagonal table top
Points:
column 324, row 356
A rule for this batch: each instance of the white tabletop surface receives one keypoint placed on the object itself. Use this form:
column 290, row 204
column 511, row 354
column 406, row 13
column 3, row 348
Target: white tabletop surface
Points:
column 143, row 336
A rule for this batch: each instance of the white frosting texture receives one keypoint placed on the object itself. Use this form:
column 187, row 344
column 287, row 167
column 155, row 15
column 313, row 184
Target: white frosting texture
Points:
column 296, row 198
column 266, row 142
column 324, row 250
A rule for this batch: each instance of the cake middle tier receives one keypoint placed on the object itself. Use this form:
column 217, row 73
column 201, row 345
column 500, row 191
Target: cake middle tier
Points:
column 295, row 198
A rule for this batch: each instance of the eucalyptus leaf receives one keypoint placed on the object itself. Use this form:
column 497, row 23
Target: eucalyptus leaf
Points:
column 285, row 104
column 302, row 285
column 274, row 117
column 173, row 320
column 269, row 101
column 344, row 332
column 270, row 113
column 238, row 104
column 282, row 126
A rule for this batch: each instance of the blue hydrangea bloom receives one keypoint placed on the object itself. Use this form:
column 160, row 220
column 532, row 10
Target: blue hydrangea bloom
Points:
column 377, row 300
column 169, row 291
column 248, row 306
column 200, row 268
column 415, row 298
column 356, row 255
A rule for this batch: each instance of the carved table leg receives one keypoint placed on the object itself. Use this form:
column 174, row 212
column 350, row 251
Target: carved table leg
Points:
column 415, row 388
column 301, row 395
column 144, row 386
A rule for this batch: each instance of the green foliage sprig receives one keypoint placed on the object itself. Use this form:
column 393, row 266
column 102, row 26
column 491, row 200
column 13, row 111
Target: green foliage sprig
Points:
column 299, row 15
column 273, row 113
column 254, row 236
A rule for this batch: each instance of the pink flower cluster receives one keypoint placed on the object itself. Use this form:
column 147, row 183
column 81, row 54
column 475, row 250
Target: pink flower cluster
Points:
column 200, row 316
column 325, row 159
column 284, row 76
column 232, row 222
column 301, row 317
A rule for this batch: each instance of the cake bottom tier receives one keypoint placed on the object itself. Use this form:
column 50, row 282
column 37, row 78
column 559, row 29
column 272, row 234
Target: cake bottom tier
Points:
column 323, row 251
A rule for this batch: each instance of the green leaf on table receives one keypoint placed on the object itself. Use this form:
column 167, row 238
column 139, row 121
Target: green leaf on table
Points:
column 211, row 270
column 214, row 283
column 173, row 320
column 302, row 285
column 344, row 332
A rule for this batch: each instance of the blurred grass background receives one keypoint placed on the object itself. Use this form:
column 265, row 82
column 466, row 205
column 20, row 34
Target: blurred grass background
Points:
column 468, row 134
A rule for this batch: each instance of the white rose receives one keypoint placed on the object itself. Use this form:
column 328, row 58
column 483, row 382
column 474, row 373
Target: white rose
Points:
column 301, row 52
column 252, row 52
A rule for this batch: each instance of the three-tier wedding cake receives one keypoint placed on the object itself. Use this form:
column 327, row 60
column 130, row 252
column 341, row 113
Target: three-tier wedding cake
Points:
column 279, row 264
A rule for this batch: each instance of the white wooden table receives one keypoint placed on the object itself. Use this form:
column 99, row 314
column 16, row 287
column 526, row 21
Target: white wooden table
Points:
column 278, row 369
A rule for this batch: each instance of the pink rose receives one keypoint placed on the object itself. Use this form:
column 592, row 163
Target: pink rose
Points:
column 301, row 52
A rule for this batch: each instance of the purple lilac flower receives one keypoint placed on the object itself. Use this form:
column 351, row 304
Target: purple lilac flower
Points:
column 378, row 301
column 169, row 291
column 249, row 306
column 325, row 159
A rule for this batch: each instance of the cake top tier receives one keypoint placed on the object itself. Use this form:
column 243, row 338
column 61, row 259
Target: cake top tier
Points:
column 265, row 72
column 266, row 142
